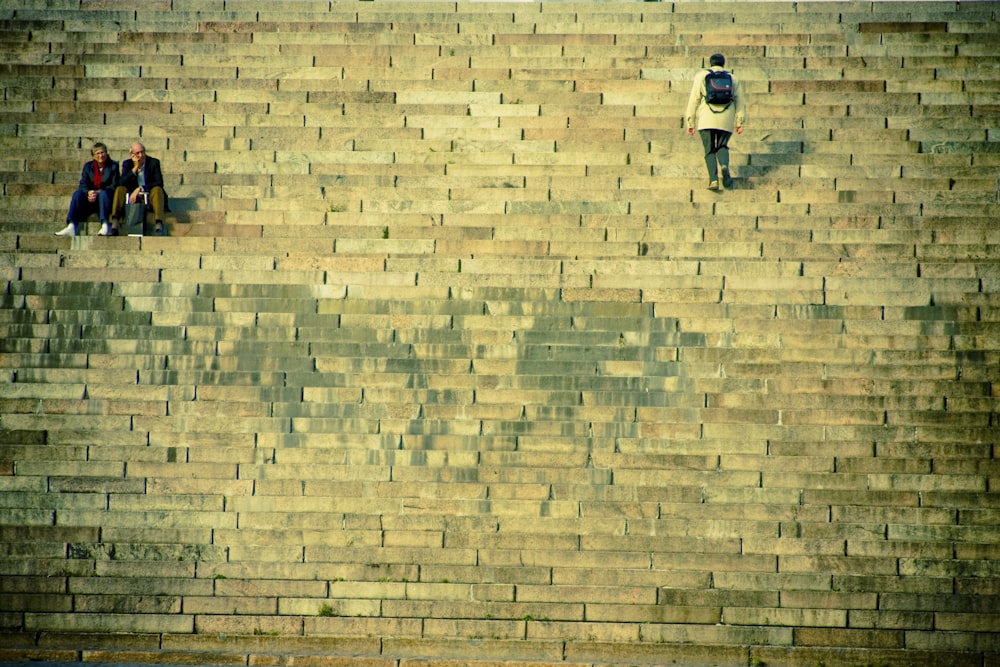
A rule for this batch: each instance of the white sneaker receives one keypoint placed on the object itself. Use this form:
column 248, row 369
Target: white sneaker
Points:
column 105, row 229
column 68, row 230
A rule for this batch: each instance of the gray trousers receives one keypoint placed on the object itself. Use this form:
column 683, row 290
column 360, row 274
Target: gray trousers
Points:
column 716, row 143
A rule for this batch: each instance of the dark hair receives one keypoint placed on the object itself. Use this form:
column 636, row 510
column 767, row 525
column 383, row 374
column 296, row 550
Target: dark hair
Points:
column 717, row 59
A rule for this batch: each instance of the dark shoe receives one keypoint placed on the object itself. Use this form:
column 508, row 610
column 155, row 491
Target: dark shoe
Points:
column 727, row 180
column 114, row 230
column 158, row 230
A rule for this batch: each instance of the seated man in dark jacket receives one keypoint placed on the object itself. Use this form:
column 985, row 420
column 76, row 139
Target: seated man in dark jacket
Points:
column 98, row 180
column 141, row 181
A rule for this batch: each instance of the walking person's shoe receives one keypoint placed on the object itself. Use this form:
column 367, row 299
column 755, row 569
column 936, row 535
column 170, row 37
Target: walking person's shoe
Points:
column 68, row 230
column 713, row 185
column 727, row 179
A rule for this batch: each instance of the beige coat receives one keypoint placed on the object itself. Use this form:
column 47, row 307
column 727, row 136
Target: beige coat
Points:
column 699, row 115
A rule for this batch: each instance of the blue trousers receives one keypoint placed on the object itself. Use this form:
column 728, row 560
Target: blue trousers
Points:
column 80, row 208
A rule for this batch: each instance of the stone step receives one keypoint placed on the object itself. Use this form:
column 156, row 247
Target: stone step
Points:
column 453, row 275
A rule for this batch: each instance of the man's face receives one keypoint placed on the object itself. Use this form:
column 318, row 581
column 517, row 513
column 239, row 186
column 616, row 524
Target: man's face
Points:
column 138, row 154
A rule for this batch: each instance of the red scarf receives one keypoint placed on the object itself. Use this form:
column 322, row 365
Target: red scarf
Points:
column 98, row 176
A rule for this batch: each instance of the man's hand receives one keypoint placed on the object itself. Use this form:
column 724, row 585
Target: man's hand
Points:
column 691, row 131
column 739, row 129
column 134, row 197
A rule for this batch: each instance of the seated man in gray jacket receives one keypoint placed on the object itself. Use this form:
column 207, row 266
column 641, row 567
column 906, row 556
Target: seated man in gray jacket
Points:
column 141, row 181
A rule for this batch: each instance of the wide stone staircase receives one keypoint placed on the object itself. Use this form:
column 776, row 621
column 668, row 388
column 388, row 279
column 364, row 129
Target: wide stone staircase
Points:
column 449, row 357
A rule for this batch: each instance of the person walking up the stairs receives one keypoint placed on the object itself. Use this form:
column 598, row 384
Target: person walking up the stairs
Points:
column 94, row 194
column 716, row 108
column 141, row 180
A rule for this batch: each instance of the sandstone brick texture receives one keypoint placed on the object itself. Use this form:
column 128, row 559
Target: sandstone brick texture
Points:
column 449, row 357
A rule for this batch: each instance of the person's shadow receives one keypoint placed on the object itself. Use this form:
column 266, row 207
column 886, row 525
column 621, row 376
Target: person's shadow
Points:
column 768, row 160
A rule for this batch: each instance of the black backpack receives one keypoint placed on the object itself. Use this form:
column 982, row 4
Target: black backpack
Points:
column 719, row 88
